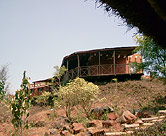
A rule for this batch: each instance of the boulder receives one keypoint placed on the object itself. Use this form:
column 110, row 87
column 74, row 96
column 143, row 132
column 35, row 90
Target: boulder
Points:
column 127, row 117
column 60, row 122
column 95, row 123
column 108, row 123
column 65, row 133
column 95, row 131
column 139, row 121
column 99, row 111
column 39, row 124
column 78, row 127
column 144, row 114
column 53, row 131
column 112, row 116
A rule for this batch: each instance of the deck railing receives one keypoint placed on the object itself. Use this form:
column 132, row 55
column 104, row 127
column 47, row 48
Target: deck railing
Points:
column 101, row 70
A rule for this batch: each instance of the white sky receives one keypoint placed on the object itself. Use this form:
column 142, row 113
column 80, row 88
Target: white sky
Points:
column 35, row 35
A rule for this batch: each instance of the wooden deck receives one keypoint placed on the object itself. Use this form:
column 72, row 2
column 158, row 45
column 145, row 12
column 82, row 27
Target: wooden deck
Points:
column 101, row 70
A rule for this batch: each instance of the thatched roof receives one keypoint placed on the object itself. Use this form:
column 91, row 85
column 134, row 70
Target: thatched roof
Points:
column 148, row 15
column 84, row 55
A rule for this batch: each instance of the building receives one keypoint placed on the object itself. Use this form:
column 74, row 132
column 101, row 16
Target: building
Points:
column 38, row 87
column 102, row 63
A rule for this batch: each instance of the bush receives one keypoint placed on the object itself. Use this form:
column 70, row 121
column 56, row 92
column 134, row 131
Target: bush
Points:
column 46, row 99
column 78, row 92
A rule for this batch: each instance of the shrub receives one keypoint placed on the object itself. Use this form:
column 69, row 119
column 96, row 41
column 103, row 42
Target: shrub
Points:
column 19, row 107
column 78, row 92
column 46, row 99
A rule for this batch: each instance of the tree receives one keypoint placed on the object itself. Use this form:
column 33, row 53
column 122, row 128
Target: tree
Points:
column 58, row 75
column 4, row 85
column 19, row 107
column 78, row 92
column 154, row 57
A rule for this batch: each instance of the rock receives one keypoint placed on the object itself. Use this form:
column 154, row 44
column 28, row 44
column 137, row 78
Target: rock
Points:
column 107, row 109
column 95, row 131
column 53, row 131
column 78, row 127
column 139, row 121
column 39, row 124
column 108, row 123
column 60, row 122
column 127, row 117
column 83, row 134
column 144, row 114
column 65, row 133
column 46, row 134
column 95, row 123
column 118, row 127
column 99, row 111
column 66, row 127
column 113, row 116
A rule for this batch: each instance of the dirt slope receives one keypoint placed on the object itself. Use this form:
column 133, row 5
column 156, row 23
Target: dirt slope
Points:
column 129, row 95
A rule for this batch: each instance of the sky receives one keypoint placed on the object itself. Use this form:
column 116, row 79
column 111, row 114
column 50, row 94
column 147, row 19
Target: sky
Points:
column 35, row 35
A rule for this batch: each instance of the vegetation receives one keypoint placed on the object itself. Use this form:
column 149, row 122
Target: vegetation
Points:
column 46, row 99
column 58, row 76
column 4, row 85
column 158, row 129
column 148, row 15
column 19, row 107
column 154, row 57
column 78, row 92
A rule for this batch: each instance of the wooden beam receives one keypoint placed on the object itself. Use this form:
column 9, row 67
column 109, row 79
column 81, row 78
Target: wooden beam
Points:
column 118, row 133
column 114, row 62
column 99, row 64
column 78, row 59
column 67, row 73
column 67, row 65
column 153, row 118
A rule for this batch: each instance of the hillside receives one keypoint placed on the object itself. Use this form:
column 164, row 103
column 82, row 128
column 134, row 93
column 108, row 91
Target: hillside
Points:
column 129, row 95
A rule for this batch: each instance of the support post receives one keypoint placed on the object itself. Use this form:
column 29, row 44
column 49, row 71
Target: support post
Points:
column 99, row 64
column 67, row 73
column 114, row 63
column 78, row 59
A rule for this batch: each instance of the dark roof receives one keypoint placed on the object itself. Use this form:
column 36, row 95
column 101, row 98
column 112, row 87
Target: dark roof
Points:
column 127, row 50
column 104, row 49
column 43, row 80
column 148, row 15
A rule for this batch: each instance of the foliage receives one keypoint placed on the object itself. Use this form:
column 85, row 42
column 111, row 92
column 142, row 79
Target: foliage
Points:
column 19, row 107
column 154, row 57
column 147, row 15
column 4, row 85
column 58, row 75
column 78, row 92
column 116, row 82
column 2, row 92
column 43, row 100
column 158, row 129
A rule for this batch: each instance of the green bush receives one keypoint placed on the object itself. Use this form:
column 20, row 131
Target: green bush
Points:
column 46, row 99
column 78, row 92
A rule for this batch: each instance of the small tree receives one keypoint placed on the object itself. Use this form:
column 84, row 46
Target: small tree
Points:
column 4, row 85
column 87, row 93
column 19, row 107
column 78, row 92
column 58, row 75
column 2, row 92
column 154, row 57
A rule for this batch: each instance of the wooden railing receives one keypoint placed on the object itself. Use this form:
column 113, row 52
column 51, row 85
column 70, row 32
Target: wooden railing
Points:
column 100, row 70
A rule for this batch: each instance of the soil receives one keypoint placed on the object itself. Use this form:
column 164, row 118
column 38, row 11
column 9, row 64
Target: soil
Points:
column 128, row 95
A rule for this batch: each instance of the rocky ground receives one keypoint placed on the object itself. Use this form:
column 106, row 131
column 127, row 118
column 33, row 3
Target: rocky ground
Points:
column 127, row 103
